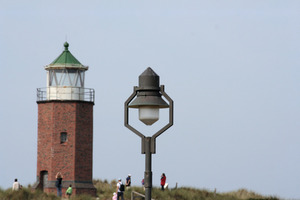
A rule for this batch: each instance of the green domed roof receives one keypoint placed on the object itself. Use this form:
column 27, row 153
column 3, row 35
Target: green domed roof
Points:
column 66, row 59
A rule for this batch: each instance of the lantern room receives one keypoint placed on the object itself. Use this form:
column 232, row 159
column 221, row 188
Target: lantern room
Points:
column 65, row 79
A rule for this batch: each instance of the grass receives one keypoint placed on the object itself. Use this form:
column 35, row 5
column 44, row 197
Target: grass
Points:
column 106, row 189
column 25, row 194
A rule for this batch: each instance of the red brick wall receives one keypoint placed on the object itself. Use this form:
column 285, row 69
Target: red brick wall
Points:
column 45, row 129
column 74, row 158
column 84, row 143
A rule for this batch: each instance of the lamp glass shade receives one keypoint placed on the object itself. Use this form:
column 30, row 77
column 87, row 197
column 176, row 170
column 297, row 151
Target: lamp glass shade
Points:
column 148, row 114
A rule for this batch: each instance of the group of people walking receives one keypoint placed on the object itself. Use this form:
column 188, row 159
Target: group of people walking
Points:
column 119, row 191
column 121, row 188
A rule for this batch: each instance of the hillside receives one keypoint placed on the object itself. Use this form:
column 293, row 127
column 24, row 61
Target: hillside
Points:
column 105, row 191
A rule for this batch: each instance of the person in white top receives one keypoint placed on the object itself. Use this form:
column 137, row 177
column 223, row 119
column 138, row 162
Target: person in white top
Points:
column 16, row 185
column 120, row 189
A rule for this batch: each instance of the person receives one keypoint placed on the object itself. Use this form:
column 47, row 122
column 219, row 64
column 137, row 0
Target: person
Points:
column 128, row 181
column 16, row 185
column 143, row 183
column 120, row 189
column 163, row 181
column 69, row 191
column 58, row 183
column 114, row 196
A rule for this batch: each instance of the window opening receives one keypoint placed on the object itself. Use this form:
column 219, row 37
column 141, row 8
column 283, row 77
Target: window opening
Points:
column 63, row 137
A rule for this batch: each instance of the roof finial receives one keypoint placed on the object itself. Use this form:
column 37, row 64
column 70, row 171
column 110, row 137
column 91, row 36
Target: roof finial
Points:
column 66, row 44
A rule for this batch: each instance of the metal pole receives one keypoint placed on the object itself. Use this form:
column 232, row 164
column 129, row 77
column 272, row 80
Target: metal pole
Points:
column 148, row 171
column 148, row 92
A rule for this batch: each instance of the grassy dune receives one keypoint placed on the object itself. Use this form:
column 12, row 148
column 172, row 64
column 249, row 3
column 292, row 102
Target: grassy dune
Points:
column 105, row 190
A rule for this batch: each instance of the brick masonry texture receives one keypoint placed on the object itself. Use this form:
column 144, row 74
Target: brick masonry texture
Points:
column 73, row 158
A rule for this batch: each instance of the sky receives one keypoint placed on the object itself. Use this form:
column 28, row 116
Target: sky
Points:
column 231, row 67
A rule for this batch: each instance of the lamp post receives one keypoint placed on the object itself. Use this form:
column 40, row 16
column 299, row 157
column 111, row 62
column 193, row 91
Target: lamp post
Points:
column 148, row 100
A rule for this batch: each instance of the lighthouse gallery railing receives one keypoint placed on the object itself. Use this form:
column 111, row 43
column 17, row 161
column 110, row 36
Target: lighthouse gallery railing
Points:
column 65, row 93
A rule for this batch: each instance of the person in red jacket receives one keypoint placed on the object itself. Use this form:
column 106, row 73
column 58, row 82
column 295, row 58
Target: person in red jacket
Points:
column 163, row 181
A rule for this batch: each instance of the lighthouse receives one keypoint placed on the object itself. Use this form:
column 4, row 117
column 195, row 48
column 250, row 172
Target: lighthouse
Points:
column 65, row 127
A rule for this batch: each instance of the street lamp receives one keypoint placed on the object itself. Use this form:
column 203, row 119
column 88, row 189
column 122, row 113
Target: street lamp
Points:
column 148, row 100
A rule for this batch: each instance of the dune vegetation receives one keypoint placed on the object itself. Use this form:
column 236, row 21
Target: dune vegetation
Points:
column 105, row 190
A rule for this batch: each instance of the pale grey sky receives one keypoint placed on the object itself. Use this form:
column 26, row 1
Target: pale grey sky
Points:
column 231, row 67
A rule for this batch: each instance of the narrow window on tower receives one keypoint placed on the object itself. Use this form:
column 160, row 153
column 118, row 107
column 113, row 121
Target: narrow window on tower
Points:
column 63, row 137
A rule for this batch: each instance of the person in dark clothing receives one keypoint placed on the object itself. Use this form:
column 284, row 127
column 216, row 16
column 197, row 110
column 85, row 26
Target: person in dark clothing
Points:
column 58, row 183
column 128, row 181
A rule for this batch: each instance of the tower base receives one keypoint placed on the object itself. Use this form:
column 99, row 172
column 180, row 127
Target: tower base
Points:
column 78, row 187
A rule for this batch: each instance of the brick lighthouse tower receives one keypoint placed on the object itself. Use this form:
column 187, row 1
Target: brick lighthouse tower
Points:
column 65, row 127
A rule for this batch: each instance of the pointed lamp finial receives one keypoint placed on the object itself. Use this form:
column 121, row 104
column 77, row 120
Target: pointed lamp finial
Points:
column 66, row 45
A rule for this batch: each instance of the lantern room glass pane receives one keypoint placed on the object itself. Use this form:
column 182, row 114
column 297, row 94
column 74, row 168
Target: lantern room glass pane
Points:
column 52, row 80
column 59, row 75
column 73, row 75
column 79, row 79
column 65, row 80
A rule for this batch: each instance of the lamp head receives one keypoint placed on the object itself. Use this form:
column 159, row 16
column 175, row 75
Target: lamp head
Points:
column 148, row 99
